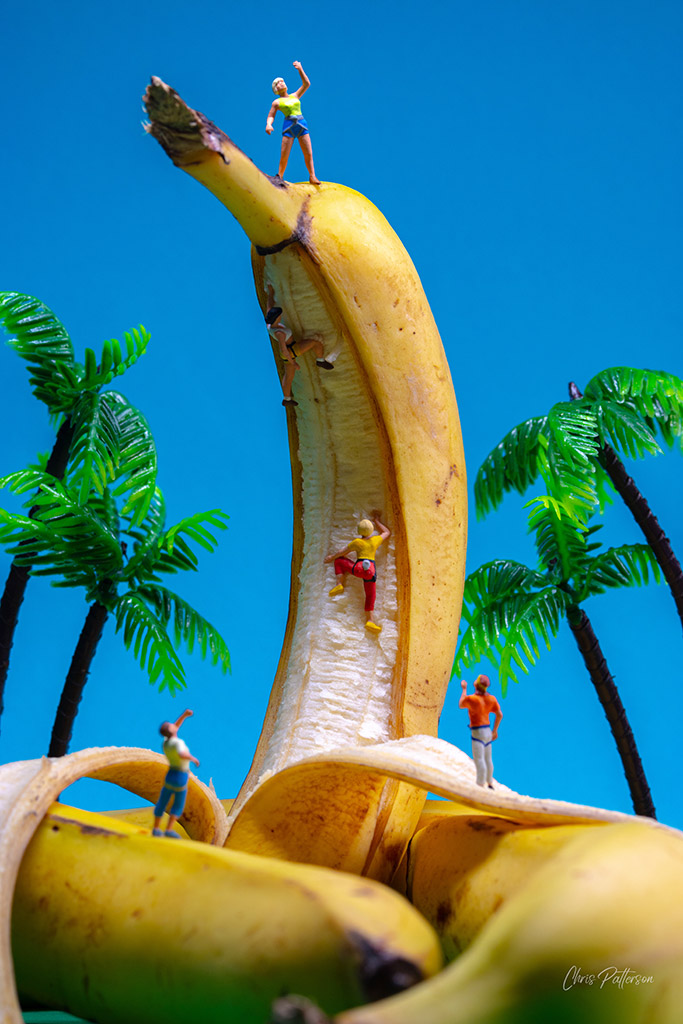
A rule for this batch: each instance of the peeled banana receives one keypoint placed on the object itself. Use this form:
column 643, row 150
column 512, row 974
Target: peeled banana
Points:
column 348, row 745
column 113, row 924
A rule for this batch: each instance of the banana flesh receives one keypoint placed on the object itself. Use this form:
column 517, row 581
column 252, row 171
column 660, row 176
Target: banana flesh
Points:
column 114, row 924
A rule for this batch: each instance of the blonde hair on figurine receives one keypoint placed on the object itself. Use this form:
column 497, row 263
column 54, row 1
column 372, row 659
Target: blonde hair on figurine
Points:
column 276, row 82
column 365, row 527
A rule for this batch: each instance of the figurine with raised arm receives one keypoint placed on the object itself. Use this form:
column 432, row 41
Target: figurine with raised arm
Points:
column 295, row 126
column 481, row 705
column 289, row 349
column 174, row 791
column 363, row 567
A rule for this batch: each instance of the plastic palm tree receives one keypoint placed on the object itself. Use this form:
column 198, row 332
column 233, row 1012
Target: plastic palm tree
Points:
column 509, row 609
column 87, row 546
column 622, row 412
column 97, row 430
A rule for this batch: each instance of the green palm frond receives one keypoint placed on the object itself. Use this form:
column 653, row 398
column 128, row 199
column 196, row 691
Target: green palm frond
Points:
column 559, row 536
column 579, row 485
column 41, row 340
column 104, row 507
column 625, row 429
column 502, row 578
column 151, row 645
column 136, row 468
column 539, row 618
column 627, row 566
column 94, row 447
column 190, row 628
column 574, row 430
column 641, row 388
column 115, row 358
column 112, row 442
column 74, row 542
column 511, row 465
column 477, row 642
column 194, row 528
column 146, row 538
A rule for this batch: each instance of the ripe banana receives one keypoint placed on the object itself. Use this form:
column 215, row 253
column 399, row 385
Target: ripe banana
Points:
column 348, row 745
column 113, row 924
column 462, row 868
column 595, row 937
column 28, row 788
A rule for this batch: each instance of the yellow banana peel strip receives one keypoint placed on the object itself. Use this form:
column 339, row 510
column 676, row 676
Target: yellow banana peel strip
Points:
column 377, row 435
column 28, row 789
column 273, row 822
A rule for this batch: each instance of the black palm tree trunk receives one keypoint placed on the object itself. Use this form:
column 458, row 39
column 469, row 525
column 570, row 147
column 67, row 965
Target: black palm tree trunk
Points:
column 76, row 679
column 15, row 585
column 634, row 500
column 608, row 695
column 647, row 521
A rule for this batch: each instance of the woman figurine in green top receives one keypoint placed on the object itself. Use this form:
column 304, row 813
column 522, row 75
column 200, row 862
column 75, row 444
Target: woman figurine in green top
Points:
column 295, row 126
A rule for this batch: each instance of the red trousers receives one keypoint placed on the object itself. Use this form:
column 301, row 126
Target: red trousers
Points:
column 368, row 575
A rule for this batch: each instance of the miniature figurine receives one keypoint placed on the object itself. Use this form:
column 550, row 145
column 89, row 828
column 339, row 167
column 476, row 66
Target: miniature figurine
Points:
column 480, row 705
column 175, row 783
column 365, row 547
column 295, row 126
column 290, row 349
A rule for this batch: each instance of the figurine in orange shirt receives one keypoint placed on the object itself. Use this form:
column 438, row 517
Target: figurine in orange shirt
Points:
column 480, row 706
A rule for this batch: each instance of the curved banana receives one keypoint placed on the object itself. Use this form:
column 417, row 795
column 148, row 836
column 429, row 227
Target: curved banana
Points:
column 379, row 433
column 115, row 925
column 28, row 788
column 597, row 936
column 348, row 745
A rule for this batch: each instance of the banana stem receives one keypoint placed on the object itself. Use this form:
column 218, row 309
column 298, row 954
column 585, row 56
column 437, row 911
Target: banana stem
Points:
column 266, row 208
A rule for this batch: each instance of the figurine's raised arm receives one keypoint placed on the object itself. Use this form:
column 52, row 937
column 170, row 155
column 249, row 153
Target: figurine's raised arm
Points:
column 383, row 530
column 186, row 714
column 305, row 80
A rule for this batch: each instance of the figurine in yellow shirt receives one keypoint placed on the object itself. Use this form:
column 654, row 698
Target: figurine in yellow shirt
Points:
column 363, row 567
column 295, row 126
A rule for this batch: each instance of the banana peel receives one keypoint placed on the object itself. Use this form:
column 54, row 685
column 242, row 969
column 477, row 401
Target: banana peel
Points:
column 28, row 788
column 348, row 747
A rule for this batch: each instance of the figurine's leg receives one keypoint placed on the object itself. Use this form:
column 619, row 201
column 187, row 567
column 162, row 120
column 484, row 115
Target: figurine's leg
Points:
column 160, row 810
column 342, row 566
column 489, row 764
column 287, row 378
column 314, row 342
column 286, row 149
column 370, row 594
column 479, row 756
column 307, row 150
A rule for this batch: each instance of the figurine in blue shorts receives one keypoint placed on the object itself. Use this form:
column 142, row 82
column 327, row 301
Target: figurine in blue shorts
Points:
column 295, row 126
column 174, row 792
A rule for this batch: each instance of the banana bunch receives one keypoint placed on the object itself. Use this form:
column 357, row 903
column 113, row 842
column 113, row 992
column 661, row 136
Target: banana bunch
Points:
column 520, row 889
column 594, row 934
column 153, row 932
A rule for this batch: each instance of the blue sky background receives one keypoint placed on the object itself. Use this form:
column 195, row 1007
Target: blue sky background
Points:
column 528, row 154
